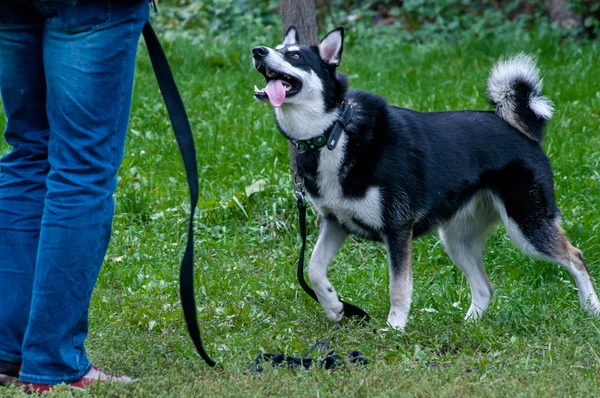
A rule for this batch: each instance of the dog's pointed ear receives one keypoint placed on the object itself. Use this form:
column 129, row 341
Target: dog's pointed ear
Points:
column 331, row 46
column 291, row 36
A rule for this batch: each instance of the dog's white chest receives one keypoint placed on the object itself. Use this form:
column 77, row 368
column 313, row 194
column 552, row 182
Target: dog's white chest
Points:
column 366, row 210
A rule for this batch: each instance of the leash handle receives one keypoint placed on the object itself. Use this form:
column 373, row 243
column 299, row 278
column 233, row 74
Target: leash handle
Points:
column 185, row 140
column 350, row 310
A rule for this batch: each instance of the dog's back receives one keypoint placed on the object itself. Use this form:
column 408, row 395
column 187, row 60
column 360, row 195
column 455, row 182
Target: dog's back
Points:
column 451, row 156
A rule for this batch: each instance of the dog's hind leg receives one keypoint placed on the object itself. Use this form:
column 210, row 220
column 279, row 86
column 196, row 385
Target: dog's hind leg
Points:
column 464, row 238
column 548, row 241
column 562, row 252
column 399, row 246
column 331, row 238
column 525, row 202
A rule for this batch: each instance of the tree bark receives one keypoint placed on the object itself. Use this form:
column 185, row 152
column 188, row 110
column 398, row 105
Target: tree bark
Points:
column 300, row 13
column 561, row 13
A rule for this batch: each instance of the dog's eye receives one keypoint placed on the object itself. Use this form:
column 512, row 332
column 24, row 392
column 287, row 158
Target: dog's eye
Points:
column 295, row 54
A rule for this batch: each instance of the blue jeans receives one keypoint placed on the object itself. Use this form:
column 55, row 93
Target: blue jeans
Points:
column 66, row 78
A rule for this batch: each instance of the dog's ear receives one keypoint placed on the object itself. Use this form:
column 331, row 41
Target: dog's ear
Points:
column 291, row 36
column 331, row 46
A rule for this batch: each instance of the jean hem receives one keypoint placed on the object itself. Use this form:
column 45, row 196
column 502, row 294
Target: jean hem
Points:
column 4, row 356
column 52, row 380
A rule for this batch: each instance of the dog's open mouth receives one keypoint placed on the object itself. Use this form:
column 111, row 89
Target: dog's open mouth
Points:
column 279, row 86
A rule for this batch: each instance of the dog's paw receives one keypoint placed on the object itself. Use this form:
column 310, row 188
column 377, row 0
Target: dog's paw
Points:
column 593, row 308
column 397, row 320
column 474, row 313
column 334, row 311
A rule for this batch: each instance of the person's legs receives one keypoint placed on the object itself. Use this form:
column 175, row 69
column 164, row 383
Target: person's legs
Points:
column 23, row 170
column 89, row 58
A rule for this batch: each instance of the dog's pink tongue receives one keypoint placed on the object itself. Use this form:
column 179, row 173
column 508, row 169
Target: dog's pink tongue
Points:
column 276, row 92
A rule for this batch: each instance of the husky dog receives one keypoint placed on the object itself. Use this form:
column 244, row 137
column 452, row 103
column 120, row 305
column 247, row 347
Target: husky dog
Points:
column 394, row 174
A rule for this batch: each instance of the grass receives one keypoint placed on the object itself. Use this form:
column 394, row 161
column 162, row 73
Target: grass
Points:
column 533, row 341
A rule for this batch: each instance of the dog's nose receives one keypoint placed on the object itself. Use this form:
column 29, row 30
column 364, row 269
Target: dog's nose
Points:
column 260, row 52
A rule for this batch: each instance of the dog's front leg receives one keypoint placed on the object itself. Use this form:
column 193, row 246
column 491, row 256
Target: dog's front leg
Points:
column 399, row 245
column 331, row 237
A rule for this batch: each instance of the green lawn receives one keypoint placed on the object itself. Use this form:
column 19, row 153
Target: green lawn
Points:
column 534, row 339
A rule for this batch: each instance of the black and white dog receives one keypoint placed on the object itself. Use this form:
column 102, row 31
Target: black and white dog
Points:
column 394, row 174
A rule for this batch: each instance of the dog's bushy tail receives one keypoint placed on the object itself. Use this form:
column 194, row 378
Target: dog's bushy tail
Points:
column 515, row 89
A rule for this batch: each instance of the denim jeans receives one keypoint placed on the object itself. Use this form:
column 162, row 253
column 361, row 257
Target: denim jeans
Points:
column 66, row 78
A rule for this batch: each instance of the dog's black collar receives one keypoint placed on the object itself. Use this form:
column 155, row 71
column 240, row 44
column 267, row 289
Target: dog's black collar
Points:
column 330, row 137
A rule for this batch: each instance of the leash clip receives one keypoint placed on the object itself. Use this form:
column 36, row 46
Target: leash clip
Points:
column 299, row 187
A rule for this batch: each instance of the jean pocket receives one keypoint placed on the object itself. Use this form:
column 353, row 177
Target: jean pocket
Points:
column 75, row 16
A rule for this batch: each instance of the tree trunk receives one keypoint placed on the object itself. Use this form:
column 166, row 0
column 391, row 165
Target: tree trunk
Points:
column 560, row 12
column 300, row 13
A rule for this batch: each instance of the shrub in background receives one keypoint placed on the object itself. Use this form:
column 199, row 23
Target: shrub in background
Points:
column 414, row 19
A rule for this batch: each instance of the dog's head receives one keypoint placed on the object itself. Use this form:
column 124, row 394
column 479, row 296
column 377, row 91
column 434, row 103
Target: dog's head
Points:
column 300, row 75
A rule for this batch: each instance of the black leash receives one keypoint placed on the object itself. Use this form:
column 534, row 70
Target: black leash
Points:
column 185, row 140
column 330, row 361
column 350, row 310
column 331, row 139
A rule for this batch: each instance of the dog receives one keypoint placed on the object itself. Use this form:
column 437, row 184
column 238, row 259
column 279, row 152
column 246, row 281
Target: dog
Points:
column 392, row 174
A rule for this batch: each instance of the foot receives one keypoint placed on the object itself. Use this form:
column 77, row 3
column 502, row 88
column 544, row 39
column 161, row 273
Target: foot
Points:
column 592, row 305
column 334, row 310
column 397, row 319
column 474, row 313
column 93, row 377
column 9, row 372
